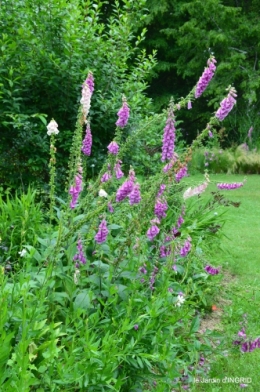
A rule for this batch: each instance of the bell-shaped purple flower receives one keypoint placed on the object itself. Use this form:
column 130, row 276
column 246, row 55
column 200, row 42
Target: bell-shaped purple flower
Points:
column 76, row 189
column 210, row 270
column 226, row 105
column 181, row 173
column 206, row 77
column 118, row 171
column 124, row 190
column 123, row 114
column 135, row 195
column 113, row 148
column 152, row 232
column 102, row 233
column 160, row 208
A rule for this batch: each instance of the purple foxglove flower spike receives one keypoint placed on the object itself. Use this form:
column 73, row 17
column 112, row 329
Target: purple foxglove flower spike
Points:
column 124, row 190
column 168, row 137
column 87, row 142
column 79, row 256
column 181, row 173
column 135, row 195
column 106, row 176
column 123, row 114
column 230, row 186
column 87, row 90
column 152, row 232
column 210, row 270
column 205, row 77
column 76, row 189
column 102, row 233
column 227, row 104
column 160, row 208
column 113, row 148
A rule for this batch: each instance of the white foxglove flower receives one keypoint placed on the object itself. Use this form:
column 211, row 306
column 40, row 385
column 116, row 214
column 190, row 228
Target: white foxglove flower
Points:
column 22, row 253
column 102, row 193
column 52, row 128
column 76, row 276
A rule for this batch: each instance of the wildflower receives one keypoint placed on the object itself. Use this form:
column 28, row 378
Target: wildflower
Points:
column 22, row 253
column 136, row 326
column 118, row 171
column 242, row 333
column 79, row 256
column 107, row 175
column 135, row 196
column 243, row 385
column 227, row 104
column 210, row 270
column 87, row 90
column 181, row 173
column 180, row 300
column 124, row 190
column 168, row 137
column 87, row 142
column 102, row 193
column 52, row 128
column 206, row 163
column 143, row 270
column 113, row 148
column 76, row 276
column 205, row 77
column 178, row 106
column 123, row 114
column 230, row 186
column 110, row 207
column 195, row 191
column 186, row 248
column 210, row 134
column 152, row 278
column 102, row 233
column 189, row 106
column 152, row 232
column 161, row 190
column 76, row 189
column 160, row 208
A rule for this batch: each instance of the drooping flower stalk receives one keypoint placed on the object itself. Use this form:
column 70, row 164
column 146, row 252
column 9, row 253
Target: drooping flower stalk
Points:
column 102, row 233
column 169, row 136
column 87, row 142
column 113, row 148
column 230, row 186
column 76, row 189
column 123, row 114
column 227, row 104
column 210, row 270
column 205, row 77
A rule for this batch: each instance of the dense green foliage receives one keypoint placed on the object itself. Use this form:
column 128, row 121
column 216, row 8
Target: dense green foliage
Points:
column 184, row 33
column 45, row 57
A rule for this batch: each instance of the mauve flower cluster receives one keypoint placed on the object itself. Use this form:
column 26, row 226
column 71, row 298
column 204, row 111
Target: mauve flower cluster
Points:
column 160, row 208
column 168, row 137
column 227, row 104
column 87, row 142
column 246, row 345
column 79, row 256
column 117, row 169
column 75, row 190
column 230, row 186
column 186, row 248
column 102, row 233
column 123, row 115
column 210, row 270
column 181, row 173
column 107, row 175
column 129, row 189
column 113, row 148
column 205, row 77
column 152, row 232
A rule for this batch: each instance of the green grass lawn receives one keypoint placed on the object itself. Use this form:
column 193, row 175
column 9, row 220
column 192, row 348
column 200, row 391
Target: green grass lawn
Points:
column 240, row 289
